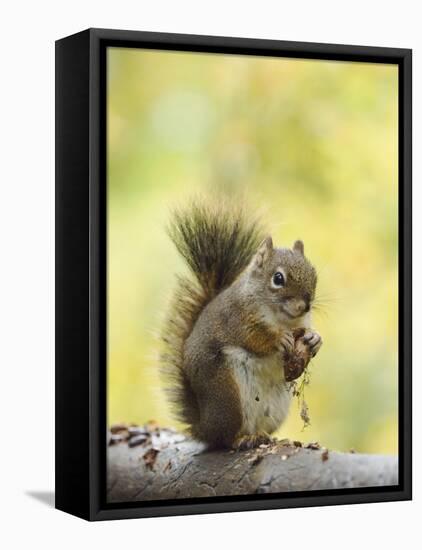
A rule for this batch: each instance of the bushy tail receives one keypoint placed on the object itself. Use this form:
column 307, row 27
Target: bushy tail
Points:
column 217, row 243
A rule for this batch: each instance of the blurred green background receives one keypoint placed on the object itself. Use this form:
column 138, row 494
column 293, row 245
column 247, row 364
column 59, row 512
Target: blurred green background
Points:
column 313, row 145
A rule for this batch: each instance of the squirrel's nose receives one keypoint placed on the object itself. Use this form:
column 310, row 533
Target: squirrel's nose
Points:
column 300, row 306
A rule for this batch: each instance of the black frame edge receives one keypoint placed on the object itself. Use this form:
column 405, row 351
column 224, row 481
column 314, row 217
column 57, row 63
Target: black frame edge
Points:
column 405, row 271
column 98, row 278
column 72, row 418
column 248, row 46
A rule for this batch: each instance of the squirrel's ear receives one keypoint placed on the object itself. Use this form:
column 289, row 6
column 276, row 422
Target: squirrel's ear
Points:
column 264, row 252
column 299, row 247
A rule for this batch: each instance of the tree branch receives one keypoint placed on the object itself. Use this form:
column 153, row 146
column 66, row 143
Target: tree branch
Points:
column 167, row 465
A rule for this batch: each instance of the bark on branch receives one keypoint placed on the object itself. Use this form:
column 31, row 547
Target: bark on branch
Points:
column 164, row 464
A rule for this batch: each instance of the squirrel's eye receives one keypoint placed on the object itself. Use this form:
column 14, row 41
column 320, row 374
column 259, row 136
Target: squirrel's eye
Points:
column 278, row 279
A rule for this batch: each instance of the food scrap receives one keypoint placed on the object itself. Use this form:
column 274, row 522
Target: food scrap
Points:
column 297, row 366
column 138, row 440
column 314, row 445
column 304, row 414
column 150, row 457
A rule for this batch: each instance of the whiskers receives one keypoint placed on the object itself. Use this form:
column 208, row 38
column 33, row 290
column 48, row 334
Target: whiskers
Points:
column 323, row 304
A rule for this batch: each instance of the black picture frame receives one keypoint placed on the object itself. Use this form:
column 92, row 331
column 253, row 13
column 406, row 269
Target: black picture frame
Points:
column 81, row 271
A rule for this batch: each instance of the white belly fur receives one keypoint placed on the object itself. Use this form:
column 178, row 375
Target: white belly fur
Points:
column 263, row 391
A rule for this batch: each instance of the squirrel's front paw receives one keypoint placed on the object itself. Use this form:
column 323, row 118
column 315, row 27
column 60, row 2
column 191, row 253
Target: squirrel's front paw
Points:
column 313, row 340
column 287, row 343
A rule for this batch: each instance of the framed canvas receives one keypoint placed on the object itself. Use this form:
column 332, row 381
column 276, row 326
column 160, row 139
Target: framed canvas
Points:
column 224, row 206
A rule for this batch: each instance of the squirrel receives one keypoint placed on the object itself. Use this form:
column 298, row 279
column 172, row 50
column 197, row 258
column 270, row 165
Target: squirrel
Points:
column 230, row 329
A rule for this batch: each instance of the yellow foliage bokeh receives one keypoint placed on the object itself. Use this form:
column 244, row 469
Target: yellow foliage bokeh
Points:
column 311, row 144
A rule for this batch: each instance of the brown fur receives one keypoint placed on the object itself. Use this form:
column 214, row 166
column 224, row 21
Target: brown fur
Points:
column 217, row 243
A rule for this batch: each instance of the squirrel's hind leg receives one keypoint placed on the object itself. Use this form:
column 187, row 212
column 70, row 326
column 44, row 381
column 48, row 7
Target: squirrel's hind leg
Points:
column 220, row 411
